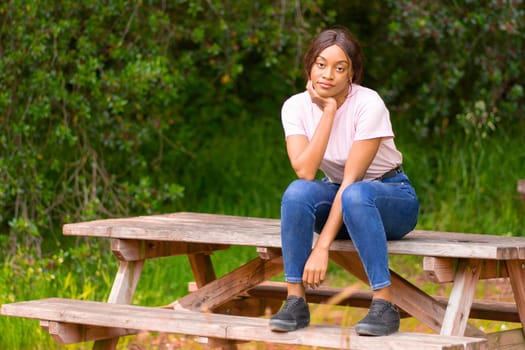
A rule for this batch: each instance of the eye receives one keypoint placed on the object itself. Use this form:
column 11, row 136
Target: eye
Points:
column 320, row 65
column 340, row 69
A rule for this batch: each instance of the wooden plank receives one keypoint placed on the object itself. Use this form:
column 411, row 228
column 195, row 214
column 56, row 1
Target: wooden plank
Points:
column 516, row 270
column 230, row 285
column 459, row 245
column 261, row 232
column 521, row 188
column 247, row 304
column 443, row 270
column 461, row 297
column 226, row 326
column 126, row 281
column 269, row 253
column 513, row 339
column 122, row 292
column 202, row 268
column 133, row 250
column 68, row 333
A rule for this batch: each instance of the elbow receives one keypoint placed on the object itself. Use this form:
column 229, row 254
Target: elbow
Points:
column 305, row 174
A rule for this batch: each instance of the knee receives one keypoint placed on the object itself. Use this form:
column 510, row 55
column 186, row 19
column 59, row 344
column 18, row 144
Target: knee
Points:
column 358, row 193
column 297, row 191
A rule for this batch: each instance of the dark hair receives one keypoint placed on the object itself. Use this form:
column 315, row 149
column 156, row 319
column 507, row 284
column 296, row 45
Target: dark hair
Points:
column 341, row 37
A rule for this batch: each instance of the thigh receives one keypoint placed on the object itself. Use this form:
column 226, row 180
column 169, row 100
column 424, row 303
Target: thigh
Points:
column 317, row 197
column 398, row 206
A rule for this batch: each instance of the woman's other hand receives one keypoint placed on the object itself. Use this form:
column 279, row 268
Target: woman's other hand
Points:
column 315, row 268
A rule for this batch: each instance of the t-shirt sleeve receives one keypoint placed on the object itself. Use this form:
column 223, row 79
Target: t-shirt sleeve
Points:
column 373, row 120
column 291, row 116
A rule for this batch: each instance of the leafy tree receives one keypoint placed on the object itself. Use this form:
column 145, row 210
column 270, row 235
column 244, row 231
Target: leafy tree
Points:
column 101, row 101
column 457, row 62
column 102, row 104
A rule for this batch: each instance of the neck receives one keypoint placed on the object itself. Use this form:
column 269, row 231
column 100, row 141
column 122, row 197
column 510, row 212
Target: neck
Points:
column 342, row 97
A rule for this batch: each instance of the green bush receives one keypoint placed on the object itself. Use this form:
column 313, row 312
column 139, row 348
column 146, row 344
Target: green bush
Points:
column 106, row 107
column 104, row 102
column 458, row 63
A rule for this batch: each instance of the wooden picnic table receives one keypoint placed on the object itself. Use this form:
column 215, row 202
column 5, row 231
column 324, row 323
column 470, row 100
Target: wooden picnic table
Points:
column 227, row 310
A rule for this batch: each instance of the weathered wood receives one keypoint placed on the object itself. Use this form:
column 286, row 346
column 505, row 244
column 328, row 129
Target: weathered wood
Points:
column 269, row 253
column 247, row 304
column 225, row 326
column 122, row 292
column 521, row 188
column 230, row 285
column 69, row 333
column 196, row 234
column 132, row 250
column 516, row 269
column 461, row 297
column 261, row 232
column 407, row 296
column 126, row 281
column 507, row 340
column 443, row 270
column 202, row 268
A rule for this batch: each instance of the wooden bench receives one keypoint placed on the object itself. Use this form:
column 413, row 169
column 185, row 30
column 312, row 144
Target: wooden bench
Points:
column 459, row 258
column 64, row 315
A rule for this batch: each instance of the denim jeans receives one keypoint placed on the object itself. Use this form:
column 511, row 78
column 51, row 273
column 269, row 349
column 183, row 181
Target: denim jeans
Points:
column 373, row 212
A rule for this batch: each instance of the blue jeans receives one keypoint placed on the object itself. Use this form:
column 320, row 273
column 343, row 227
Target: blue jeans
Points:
column 373, row 212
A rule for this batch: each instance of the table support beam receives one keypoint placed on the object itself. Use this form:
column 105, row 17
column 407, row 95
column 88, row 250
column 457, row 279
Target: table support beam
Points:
column 122, row 292
column 516, row 270
column 237, row 282
column 461, row 297
column 408, row 297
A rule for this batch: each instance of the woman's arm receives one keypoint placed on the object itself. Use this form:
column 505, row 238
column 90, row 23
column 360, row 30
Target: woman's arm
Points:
column 306, row 156
column 359, row 159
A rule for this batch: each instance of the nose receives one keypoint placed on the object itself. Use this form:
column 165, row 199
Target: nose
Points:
column 328, row 73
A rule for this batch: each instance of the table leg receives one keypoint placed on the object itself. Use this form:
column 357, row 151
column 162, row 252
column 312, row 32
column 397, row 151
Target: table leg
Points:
column 461, row 297
column 124, row 286
column 516, row 269
column 202, row 268
column 230, row 285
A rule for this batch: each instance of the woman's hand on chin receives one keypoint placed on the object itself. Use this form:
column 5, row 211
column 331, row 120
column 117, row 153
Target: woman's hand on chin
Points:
column 329, row 103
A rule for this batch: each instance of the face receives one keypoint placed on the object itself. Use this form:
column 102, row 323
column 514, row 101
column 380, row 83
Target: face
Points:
column 331, row 73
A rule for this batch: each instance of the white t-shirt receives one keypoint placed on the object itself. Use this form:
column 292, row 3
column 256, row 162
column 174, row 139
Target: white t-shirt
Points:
column 362, row 116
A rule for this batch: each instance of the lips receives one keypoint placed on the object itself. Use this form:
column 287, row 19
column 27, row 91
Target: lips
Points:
column 324, row 85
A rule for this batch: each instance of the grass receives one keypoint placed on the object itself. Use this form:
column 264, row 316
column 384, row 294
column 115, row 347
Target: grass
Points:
column 464, row 185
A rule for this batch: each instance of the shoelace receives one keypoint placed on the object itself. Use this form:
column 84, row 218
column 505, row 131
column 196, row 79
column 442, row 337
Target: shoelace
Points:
column 378, row 310
column 290, row 304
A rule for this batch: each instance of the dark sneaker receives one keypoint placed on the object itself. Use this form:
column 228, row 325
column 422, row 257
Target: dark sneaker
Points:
column 382, row 319
column 293, row 315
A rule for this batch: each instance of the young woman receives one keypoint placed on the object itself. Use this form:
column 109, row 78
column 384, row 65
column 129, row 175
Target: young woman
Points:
column 343, row 129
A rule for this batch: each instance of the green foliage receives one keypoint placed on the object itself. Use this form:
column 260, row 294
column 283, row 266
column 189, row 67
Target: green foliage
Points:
column 459, row 59
column 122, row 108
column 103, row 104
column 84, row 271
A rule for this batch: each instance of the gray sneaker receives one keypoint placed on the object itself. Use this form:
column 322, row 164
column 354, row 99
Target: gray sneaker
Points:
column 382, row 319
column 292, row 316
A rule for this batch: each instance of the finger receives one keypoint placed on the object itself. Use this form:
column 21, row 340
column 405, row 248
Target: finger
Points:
column 322, row 276
column 306, row 278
